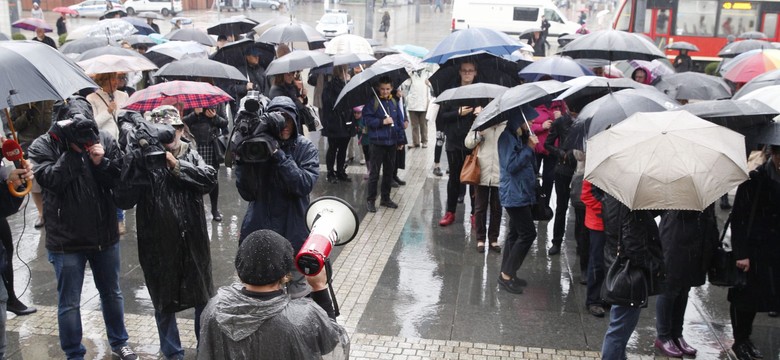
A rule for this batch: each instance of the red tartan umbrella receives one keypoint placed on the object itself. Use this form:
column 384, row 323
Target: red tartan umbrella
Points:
column 190, row 94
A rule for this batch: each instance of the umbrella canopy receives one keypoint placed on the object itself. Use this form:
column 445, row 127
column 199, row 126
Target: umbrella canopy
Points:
column 584, row 89
column 233, row 53
column 613, row 108
column 31, row 71
column 65, row 10
column 200, row 68
column 766, row 79
column 190, row 94
column 360, row 89
column 566, row 39
column 753, row 35
column 196, row 35
column 490, row 69
column 471, row 40
column 140, row 25
column 769, row 134
column 176, row 50
column 31, row 24
column 290, row 32
column 276, row 20
column 109, row 14
column 353, row 59
column 682, row 45
column 769, row 95
column 471, row 92
column 733, row 114
column 739, row 47
column 150, row 15
column 612, row 45
column 751, row 64
column 184, row 20
column 82, row 45
column 672, row 162
column 140, row 40
column 298, row 60
column 693, row 86
column 115, row 63
column 530, row 94
column 560, row 68
column 112, row 29
column 410, row 63
column 108, row 50
column 348, row 44
column 657, row 67
column 234, row 25
column 413, row 50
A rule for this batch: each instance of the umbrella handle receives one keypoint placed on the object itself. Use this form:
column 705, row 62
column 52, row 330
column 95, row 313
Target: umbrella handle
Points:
column 27, row 188
column 381, row 105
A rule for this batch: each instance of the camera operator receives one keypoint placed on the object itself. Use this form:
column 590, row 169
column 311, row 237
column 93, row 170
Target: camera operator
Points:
column 173, row 243
column 77, row 168
column 256, row 319
column 278, row 193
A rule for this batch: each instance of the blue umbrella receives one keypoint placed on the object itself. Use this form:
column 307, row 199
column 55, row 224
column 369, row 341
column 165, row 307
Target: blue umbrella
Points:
column 471, row 40
column 557, row 67
column 140, row 25
column 414, row 50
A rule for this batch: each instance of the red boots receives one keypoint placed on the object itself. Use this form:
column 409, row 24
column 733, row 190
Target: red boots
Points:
column 448, row 219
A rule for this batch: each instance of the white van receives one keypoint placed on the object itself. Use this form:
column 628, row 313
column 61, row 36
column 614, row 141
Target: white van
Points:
column 510, row 16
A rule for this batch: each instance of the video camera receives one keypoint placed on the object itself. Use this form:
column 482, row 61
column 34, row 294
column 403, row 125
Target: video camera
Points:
column 79, row 130
column 256, row 134
column 149, row 138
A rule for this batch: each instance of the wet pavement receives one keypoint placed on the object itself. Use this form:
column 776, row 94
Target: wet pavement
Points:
column 408, row 288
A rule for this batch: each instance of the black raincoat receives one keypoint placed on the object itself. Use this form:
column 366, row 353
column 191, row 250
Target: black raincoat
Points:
column 238, row 326
column 688, row 239
column 173, row 243
column 79, row 209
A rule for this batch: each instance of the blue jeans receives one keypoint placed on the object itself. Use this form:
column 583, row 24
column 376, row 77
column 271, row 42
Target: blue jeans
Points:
column 69, row 269
column 170, row 343
column 120, row 215
column 670, row 313
column 596, row 271
column 622, row 322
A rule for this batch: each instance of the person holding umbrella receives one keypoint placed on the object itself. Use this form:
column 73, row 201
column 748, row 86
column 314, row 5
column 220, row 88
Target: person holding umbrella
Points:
column 62, row 27
column 457, row 122
column 40, row 36
column 683, row 62
column 338, row 126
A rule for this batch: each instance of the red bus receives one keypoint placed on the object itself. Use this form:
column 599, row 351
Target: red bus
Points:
column 705, row 23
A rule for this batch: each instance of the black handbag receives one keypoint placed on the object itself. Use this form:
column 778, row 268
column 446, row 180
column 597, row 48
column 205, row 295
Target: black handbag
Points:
column 624, row 283
column 541, row 211
column 220, row 146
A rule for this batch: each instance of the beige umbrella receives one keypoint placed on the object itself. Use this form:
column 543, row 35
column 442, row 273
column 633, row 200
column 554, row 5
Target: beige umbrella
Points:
column 769, row 95
column 115, row 63
column 671, row 160
column 348, row 44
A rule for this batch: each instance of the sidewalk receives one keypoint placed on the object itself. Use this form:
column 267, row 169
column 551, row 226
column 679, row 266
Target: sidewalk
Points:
column 408, row 289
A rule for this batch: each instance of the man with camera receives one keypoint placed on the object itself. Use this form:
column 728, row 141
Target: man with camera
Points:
column 77, row 168
column 276, row 169
column 173, row 243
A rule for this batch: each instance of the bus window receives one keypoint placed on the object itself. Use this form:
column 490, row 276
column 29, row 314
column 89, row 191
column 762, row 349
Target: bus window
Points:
column 648, row 21
column 526, row 14
column 737, row 17
column 696, row 17
column 662, row 22
column 624, row 18
column 770, row 25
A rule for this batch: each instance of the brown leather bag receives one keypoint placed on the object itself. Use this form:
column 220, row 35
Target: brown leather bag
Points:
column 469, row 175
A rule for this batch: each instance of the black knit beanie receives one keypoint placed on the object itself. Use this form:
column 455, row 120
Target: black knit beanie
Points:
column 263, row 258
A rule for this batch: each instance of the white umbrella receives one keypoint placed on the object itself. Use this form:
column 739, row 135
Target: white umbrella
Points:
column 348, row 44
column 769, row 95
column 671, row 160
column 115, row 63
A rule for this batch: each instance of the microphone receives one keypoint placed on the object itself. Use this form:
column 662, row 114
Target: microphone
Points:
column 13, row 152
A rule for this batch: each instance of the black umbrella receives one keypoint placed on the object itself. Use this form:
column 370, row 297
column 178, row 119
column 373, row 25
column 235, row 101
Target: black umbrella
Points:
column 111, row 13
column 290, row 32
column 31, row 71
column 491, row 69
column 586, row 89
column 195, row 35
column 768, row 134
column 360, row 89
column 471, row 92
column 233, row 53
column 108, row 50
column 81, row 45
column 739, row 47
column 197, row 68
column 615, row 107
column 766, row 79
column 693, row 86
column 757, row 35
column 612, row 45
column 530, row 94
column 565, row 39
column 560, row 68
column 734, row 114
column 232, row 26
column 134, row 40
column 682, row 45
column 298, row 60
column 150, row 15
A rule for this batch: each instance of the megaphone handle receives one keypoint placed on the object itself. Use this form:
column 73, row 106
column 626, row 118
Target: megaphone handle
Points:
column 329, row 275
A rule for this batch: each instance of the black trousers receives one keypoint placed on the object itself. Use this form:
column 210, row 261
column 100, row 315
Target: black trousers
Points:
column 486, row 197
column 582, row 235
column 520, row 235
column 562, row 191
column 382, row 157
column 8, row 273
column 546, row 165
column 455, row 158
column 336, row 154
column 741, row 323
